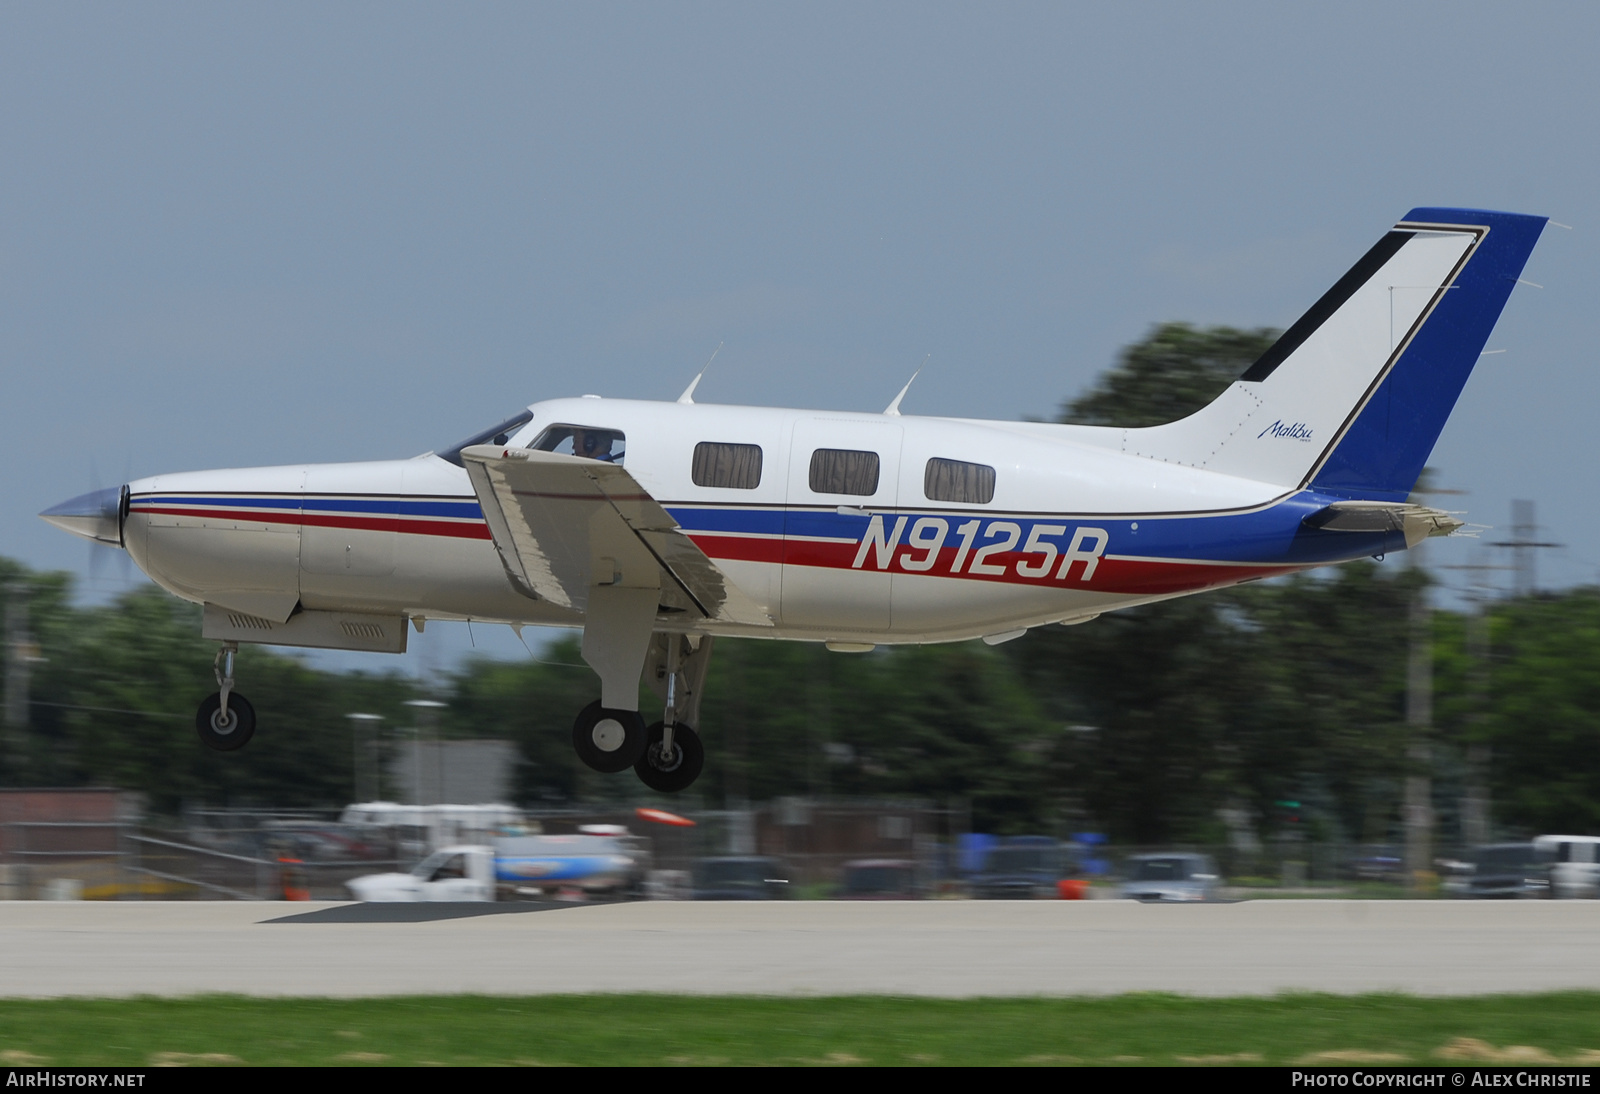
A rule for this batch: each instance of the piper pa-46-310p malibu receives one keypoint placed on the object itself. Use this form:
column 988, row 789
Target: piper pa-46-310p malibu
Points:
column 657, row 527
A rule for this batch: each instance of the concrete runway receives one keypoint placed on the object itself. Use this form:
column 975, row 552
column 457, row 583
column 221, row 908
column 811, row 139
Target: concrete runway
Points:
column 932, row 948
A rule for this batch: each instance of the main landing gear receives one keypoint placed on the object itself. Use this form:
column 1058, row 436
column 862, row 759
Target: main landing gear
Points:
column 672, row 761
column 225, row 721
column 667, row 756
column 608, row 740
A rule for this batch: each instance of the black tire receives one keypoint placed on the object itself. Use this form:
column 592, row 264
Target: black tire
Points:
column 225, row 736
column 680, row 770
column 600, row 745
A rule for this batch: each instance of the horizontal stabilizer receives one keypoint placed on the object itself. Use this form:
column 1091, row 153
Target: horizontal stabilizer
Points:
column 564, row 524
column 1418, row 522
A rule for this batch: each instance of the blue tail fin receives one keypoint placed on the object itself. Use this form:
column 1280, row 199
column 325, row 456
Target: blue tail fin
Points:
column 1352, row 397
column 1388, row 435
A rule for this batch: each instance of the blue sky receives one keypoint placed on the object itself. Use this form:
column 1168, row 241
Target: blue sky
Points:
column 238, row 235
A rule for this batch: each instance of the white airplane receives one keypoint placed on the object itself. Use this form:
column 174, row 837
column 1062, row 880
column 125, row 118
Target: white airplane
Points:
column 657, row 527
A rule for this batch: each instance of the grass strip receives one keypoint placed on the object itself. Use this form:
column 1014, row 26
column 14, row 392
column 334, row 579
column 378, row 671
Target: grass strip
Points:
column 660, row 1030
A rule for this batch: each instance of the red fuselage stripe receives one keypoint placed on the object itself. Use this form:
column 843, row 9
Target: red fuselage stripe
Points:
column 1142, row 577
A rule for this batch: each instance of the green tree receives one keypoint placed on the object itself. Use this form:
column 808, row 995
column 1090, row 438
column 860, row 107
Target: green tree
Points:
column 1542, row 722
column 1173, row 372
column 114, row 694
column 1325, row 693
column 532, row 703
column 1238, row 697
column 941, row 723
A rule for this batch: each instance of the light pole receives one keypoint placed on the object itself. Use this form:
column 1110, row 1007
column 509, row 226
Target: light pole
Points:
column 427, row 711
column 357, row 721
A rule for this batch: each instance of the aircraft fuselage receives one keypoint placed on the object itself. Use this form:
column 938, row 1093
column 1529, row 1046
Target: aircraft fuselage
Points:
column 658, row 526
column 1072, row 528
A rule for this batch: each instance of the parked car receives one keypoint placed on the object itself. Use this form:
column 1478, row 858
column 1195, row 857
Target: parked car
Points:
column 1023, row 868
column 325, row 843
column 879, row 879
column 741, row 877
column 1379, row 862
column 1508, row 871
column 1171, row 876
column 1574, row 865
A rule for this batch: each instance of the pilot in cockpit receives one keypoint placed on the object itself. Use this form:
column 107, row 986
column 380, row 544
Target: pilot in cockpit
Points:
column 593, row 444
column 587, row 442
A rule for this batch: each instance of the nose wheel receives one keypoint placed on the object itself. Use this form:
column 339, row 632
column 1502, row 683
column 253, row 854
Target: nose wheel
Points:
column 225, row 721
column 225, row 730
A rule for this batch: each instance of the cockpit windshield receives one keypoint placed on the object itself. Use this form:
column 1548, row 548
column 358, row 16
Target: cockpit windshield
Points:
column 498, row 434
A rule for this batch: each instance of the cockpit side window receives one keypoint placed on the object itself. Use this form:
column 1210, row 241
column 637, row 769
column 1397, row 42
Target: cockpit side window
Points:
column 498, row 434
column 590, row 442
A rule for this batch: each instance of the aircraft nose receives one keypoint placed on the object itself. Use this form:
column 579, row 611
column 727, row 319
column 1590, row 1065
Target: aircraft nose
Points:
column 96, row 515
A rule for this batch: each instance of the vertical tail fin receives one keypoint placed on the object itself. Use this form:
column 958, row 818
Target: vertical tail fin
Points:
column 1353, row 396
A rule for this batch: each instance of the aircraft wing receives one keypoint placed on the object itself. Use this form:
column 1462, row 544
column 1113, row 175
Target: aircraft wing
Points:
column 563, row 524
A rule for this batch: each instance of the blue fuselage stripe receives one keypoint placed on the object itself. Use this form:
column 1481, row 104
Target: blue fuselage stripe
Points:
column 1274, row 535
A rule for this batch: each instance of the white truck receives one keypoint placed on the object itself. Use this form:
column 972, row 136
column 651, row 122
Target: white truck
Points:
column 517, row 868
column 1574, row 865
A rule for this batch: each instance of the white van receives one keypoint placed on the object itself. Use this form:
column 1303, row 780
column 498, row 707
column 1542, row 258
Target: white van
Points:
column 1574, row 865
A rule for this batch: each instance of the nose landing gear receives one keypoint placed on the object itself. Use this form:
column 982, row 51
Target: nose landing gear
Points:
column 225, row 721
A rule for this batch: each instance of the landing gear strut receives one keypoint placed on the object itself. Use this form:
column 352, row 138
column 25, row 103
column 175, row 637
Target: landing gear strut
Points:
column 225, row 721
column 676, row 671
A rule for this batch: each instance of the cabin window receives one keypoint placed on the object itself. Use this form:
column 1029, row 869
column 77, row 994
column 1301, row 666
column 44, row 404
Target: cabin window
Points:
column 840, row 471
column 590, row 442
column 953, row 480
column 727, row 466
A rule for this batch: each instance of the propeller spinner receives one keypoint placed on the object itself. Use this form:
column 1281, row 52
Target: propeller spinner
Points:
column 97, row 515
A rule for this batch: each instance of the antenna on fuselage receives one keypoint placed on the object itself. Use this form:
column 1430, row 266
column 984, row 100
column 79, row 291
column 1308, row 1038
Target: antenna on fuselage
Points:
column 688, row 392
column 893, row 409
